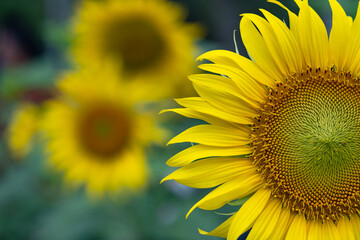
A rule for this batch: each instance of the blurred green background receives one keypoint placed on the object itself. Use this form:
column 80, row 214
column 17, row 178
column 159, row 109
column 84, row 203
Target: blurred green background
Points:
column 34, row 203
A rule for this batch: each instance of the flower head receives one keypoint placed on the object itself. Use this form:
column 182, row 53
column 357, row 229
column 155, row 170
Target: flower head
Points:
column 95, row 135
column 283, row 130
column 148, row 40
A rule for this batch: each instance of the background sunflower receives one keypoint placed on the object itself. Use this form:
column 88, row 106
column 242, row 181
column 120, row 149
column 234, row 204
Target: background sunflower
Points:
column 147, row 40
column 94, row 134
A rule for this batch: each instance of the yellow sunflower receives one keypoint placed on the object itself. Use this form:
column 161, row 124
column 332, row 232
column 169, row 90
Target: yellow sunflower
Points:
column 22, row 128
column 283, row 129
column 147, row 39
column 95, row 135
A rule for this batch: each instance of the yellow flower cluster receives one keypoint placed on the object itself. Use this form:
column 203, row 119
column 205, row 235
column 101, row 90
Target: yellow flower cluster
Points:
column 124, row 52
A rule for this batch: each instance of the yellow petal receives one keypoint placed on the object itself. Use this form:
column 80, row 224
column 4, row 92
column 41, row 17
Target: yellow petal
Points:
column 240, row 62
column 297, row 229
column 246, row 85
column 228, row 85
column 311, row 36
column 267, row 221
column 202, row 151
column 221, row 230
column 286, row 39
column 236, row 188
column 315, row 230
column 211, row 172
column 248, row 213
column 202, row 106
column 282, row 225
column 217, row 82
column 279, row 4
column 355, row 222
column 271, row 42
column 354, row 48
column 189, row 113
column 294, row 28
column 345, row 228
column 214, row 136
column 257, row 49
column 227, row 102
column 329, row 231
column 340, row 34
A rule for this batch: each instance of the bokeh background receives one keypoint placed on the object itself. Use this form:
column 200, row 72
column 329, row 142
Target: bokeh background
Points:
column 35, row 204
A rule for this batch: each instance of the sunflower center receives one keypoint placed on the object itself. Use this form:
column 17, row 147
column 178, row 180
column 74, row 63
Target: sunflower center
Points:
column 135, row 41
column 307, row 143
column 104, row 130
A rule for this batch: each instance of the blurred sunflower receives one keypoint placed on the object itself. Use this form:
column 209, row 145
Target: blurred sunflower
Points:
column 283, row 132
column 22, row 128
column 95, row 135
column 147, row 39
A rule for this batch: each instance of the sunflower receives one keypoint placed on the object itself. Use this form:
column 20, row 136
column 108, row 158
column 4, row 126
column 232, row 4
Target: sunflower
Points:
column 147, row 39
column 95, row 135
column 22, row 128
column 282, row 132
